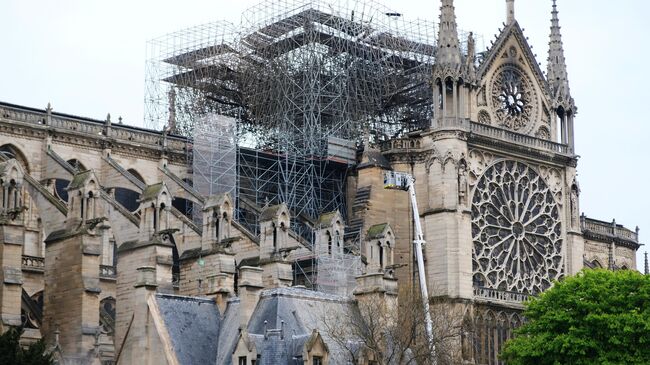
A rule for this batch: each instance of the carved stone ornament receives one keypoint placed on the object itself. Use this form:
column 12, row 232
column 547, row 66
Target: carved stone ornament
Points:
column 513, row 99
column 516, row 230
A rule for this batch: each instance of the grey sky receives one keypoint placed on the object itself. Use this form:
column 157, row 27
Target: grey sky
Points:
column 87, row 58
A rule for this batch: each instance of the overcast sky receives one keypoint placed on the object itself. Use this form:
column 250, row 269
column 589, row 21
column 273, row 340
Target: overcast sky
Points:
column 87, row 58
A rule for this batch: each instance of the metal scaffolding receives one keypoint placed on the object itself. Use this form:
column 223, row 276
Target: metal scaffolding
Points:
column 305, row 83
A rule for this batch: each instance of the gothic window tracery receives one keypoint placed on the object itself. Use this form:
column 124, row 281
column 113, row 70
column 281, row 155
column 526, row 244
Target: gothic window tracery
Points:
column 513, row 98
column 516, row 230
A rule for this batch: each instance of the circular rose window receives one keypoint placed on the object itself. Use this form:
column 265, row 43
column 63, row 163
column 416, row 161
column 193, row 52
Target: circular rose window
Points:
column 516, row 230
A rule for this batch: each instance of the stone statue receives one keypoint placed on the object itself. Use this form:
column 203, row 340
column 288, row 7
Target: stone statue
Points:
column 471, row 49
column 574, row 206
column 462, row 184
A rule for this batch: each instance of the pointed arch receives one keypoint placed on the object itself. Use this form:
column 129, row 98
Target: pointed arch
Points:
column 10, row 151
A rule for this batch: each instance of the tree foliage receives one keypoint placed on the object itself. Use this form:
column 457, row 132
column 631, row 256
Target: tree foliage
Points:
column 596, row 317
column 12, row 353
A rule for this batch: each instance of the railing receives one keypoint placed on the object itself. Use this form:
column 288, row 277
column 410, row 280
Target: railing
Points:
column 510, row 136
column 33, row 263
column 107, row 272
column 500, row 295
column 500, row 133
column 400, row 144
column 608, row 229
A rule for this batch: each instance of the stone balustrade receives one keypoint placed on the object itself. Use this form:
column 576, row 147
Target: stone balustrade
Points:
column 410, row 144
column 506, row 135
column 500, row 295
column 400, row 144
column 89, row 126
column 33, row 263
column 608, row 229
column 107, row 272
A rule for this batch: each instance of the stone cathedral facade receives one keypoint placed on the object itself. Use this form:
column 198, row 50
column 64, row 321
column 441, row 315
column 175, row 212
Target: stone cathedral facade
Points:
column 100, row 259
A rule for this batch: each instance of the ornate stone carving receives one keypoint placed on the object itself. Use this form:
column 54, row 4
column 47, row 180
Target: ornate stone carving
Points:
column 516, row 230
column 484, row 117
column 478, row 160
column 543, row 133
column 553, row 178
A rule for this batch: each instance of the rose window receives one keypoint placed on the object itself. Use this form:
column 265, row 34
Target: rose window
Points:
column 513, row 98
column 516, row 230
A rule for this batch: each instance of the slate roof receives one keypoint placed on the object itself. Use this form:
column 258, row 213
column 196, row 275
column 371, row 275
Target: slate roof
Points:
column 229, row 333
column 200, row 335
column 302, row 311
column 193, row 325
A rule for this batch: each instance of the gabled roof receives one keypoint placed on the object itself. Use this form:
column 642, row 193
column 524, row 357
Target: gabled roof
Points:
column 302, row 311
column 216, row 200
column 513, row 30
column 377, row 231
column 273, row 211
column 327, row 219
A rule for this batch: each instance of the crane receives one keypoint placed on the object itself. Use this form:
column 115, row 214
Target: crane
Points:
column 405, row 182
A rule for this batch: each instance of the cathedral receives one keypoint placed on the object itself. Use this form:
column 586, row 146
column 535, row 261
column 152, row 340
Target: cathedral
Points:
column 234, row 244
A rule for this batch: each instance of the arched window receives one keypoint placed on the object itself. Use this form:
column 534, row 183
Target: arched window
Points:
column 90, row 206
column 329, row 243
column 83, row 203
column 381, row 255
column 155, row 217
column 215, row 218
column 160, row 216
column 107, row 315
column 275, row 236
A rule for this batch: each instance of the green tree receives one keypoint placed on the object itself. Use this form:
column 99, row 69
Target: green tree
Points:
column 12, row 353
column 596, row 317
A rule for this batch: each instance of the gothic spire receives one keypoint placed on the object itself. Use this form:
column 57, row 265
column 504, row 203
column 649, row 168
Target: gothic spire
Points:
column 557, row 73
column 448, row 52
column 510, row 11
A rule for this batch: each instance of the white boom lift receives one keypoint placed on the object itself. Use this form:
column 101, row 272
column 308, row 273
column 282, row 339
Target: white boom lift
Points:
column 406, row 182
